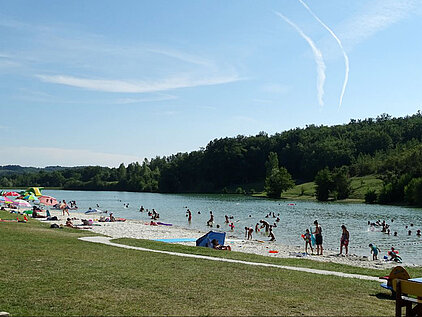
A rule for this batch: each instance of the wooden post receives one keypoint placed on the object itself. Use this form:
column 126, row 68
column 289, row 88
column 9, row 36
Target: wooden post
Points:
column 398, row 298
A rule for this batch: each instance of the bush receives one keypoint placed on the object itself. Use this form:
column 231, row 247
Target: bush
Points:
column 240, row 191
column 371, row 196
column 413, row 192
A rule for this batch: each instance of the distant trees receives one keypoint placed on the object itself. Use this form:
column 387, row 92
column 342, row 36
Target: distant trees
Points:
column 278, row 178
column 336, row 183
column 385, row 146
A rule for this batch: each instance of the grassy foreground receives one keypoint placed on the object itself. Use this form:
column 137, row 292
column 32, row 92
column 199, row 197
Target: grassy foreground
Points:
column 49, row 272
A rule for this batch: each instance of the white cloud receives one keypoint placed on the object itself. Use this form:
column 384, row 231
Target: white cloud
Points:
column 45, row 156
column 161, row 97
column 123, row 86
column 375, row 17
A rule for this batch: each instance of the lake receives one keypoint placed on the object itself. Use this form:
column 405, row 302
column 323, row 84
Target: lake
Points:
column 247, row 211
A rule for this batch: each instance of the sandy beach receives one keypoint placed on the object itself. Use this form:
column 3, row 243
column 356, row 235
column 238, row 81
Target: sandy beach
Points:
column 137, row 229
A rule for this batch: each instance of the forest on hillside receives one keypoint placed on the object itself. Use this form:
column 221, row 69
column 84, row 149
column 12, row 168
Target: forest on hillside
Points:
column 388, row 147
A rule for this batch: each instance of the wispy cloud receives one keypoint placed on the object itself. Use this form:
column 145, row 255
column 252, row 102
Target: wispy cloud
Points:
column 44, row 156
column 317, row 56
column 207, row 107
column 168, row 113
column 126, row 86
column 374, row 17
column 346, row 58
column 68, row 55
column 6, row 60
column 190, row 58
column 161, row 97
column 275, row 88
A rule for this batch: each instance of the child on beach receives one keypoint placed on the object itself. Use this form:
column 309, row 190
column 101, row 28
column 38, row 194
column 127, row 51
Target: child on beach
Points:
column 344, row 240
column 374, row 251
column 394, row 255
column 248, row 233
column 307, row 238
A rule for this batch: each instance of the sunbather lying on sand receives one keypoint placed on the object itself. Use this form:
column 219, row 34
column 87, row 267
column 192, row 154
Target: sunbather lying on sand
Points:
column 218, row 246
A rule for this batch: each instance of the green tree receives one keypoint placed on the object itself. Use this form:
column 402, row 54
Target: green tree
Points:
column 324, row 184
column 413, row 192
column 277, row 182
column 271, row 163
column 341, row 180
column 371, row 196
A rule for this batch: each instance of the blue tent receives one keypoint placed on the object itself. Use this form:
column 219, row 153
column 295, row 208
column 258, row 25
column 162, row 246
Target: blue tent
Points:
column 205, row 241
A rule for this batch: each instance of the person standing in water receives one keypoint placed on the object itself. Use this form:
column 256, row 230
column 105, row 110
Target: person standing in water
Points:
column 344, row 240
column 318, row 238
column 189, row 214
column 211, row 221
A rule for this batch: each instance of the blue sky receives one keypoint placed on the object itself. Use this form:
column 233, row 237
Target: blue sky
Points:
column 104, row 82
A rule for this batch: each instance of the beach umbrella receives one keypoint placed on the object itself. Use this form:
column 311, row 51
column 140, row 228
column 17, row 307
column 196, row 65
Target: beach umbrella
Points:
column 48, row 200
column 21, row 203
column 30, row 197
column 15, row 194
column 7, row 200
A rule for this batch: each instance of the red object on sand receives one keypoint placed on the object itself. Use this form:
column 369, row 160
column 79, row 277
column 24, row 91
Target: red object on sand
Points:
column 272, row 251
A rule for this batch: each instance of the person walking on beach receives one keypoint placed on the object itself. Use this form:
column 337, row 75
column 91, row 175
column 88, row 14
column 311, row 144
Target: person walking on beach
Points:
column 318, row 238
column 344, row 240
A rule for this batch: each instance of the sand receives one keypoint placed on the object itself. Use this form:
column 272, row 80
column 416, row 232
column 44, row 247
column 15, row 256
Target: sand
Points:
column 137, row 229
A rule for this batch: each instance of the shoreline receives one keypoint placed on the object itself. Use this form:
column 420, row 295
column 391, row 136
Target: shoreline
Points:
column 138, row 229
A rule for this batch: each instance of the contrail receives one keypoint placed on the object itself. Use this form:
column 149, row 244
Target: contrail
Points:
column 317, row 56
column 346, row 58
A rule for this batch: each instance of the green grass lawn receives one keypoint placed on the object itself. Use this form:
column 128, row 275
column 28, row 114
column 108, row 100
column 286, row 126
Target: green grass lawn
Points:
column 359, row 186
column 50, row 272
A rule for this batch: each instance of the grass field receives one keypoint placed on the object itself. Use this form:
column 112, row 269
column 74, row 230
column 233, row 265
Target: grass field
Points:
column 50, row 272
column 359, row 186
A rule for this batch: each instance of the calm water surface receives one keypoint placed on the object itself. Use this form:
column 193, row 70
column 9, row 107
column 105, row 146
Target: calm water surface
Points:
column 247, row 211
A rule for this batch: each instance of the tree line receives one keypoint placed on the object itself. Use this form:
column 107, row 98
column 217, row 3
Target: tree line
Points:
column 385, row 146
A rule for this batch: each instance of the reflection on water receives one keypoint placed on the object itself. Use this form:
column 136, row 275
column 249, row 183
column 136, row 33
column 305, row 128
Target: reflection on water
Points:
column 247, row 211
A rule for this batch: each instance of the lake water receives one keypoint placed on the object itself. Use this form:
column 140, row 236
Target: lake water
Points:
column 247, row 211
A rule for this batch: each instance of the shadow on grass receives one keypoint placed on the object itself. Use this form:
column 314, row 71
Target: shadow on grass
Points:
column 383, row 296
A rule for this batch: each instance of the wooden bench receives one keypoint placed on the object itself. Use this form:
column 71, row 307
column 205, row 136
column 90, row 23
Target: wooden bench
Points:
column 397, row 272
column 409, row 295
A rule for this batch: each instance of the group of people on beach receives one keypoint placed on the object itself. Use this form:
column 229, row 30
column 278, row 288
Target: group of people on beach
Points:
column 315, row 238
